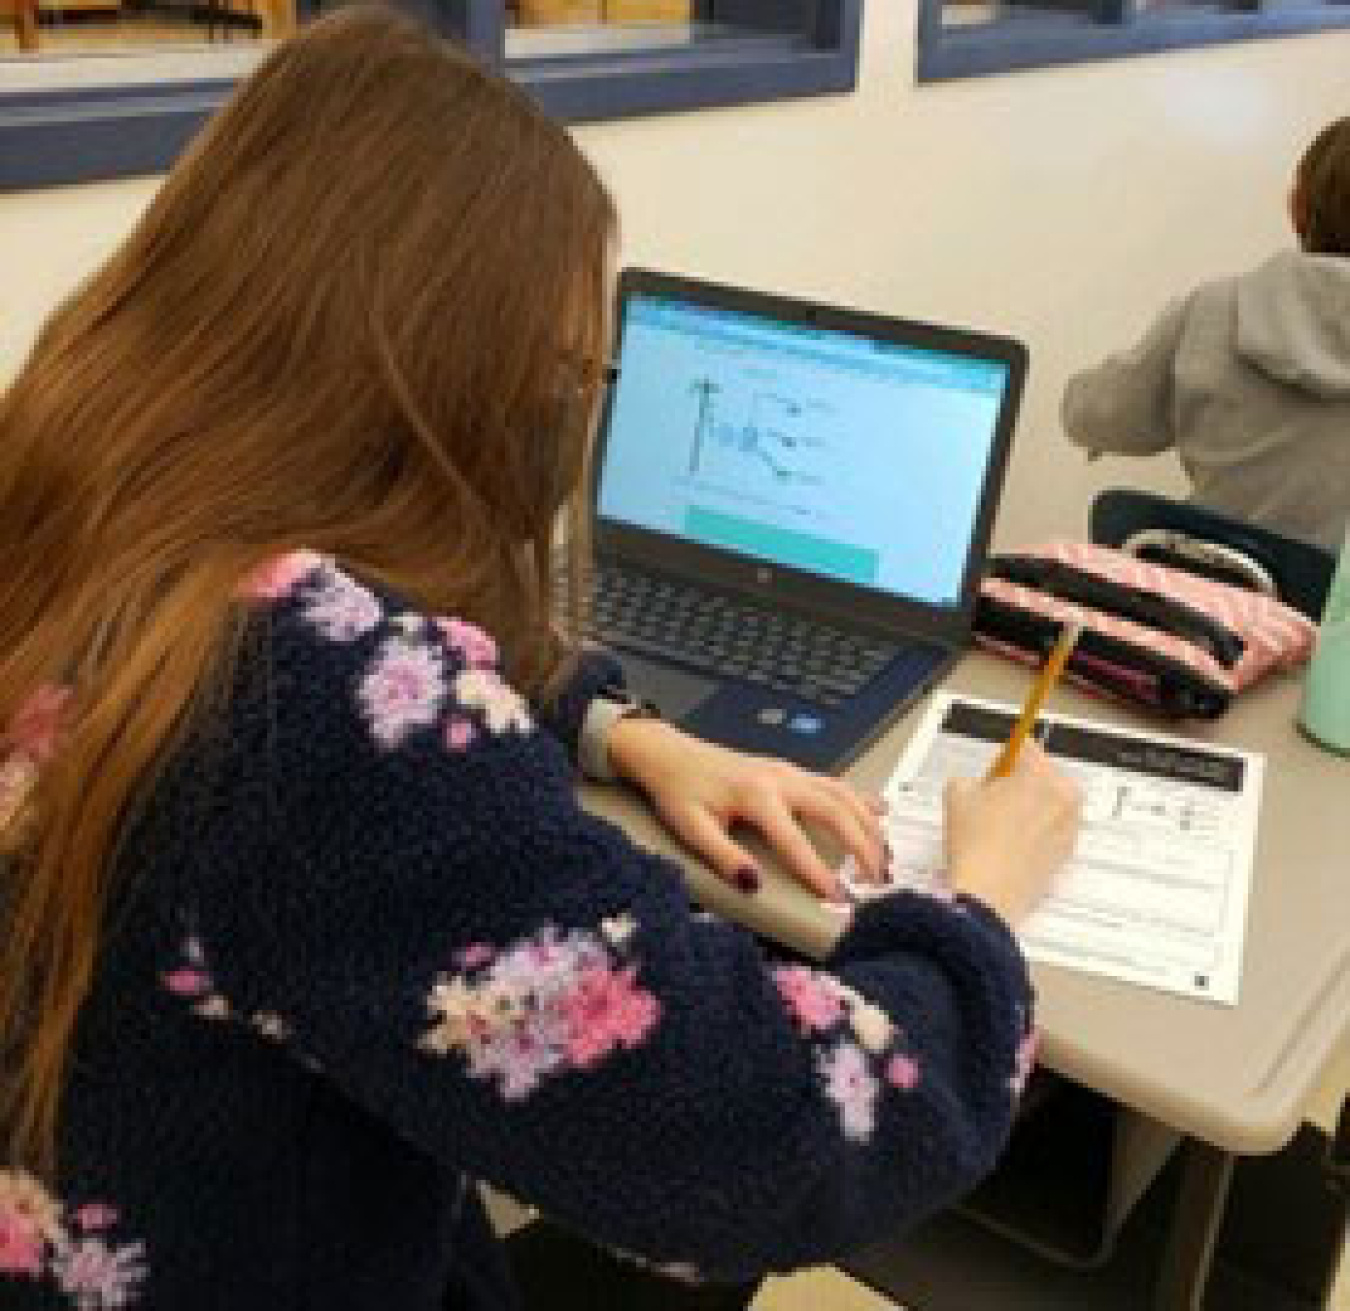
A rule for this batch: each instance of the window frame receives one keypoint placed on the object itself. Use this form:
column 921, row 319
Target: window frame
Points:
column 729, row 71
column 1117, row 29
column 85, row 134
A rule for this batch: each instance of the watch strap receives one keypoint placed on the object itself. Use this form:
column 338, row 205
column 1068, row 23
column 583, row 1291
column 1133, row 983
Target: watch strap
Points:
column 602, row 714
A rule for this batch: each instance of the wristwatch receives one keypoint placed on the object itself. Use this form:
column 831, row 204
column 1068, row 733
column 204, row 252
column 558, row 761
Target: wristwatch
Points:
column 604, row 711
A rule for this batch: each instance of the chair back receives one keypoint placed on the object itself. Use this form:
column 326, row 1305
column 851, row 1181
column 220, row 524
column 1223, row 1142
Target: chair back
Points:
column 1200, row 541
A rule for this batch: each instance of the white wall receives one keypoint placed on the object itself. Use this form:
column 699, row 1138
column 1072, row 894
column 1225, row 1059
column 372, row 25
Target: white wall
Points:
column 1061, row 206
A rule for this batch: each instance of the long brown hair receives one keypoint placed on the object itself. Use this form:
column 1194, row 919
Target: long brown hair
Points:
column 365, row 314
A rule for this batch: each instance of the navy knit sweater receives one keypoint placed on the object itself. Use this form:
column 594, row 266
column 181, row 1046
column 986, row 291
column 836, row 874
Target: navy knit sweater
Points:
column 369, row 951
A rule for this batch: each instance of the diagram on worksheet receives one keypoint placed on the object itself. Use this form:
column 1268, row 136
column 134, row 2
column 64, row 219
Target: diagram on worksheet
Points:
column 1156, row 892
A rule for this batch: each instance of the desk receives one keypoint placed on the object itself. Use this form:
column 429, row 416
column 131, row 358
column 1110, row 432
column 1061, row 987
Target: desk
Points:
column 1235, row 1080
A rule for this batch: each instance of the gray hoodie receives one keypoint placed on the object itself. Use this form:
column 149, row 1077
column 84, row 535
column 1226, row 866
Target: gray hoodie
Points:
column 1249, row 378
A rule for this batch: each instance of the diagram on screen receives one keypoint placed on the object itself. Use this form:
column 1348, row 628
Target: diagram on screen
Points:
column 777, row 434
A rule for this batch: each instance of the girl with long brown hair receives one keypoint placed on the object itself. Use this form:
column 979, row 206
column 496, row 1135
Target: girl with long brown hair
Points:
column 301, row 929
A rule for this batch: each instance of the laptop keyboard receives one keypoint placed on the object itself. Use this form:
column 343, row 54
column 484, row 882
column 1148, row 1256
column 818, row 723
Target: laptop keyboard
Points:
column 655, row 616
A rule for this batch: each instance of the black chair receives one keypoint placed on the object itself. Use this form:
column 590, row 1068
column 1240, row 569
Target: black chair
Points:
column 1184, row 536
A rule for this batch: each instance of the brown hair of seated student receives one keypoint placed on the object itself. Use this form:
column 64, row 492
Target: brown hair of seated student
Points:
column 366, row 314
column 1320, row 200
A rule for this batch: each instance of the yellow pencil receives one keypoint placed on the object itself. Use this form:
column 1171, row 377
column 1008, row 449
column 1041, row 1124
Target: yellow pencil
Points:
column 1045, row 681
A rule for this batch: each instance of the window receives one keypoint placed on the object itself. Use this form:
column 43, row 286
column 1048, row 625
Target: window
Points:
column 106, row 88
column 587, row 59
column 962, row 38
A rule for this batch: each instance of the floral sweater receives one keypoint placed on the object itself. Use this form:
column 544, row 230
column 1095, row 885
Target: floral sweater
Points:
column 369, row 950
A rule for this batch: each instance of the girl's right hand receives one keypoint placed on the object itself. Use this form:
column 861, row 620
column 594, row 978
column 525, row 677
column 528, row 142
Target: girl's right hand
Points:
column 1006, row 839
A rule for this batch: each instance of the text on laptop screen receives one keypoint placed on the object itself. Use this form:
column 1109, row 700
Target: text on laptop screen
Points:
column 812, row 448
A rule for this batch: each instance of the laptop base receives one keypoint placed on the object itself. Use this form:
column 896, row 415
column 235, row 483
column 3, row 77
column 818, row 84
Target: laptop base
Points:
column 762, row 721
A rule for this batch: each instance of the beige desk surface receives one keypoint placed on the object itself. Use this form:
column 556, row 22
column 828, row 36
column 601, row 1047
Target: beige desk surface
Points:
column 1238, row 1077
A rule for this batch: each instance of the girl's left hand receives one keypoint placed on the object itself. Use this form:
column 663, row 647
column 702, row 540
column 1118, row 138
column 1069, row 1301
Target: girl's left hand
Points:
column 700, row 790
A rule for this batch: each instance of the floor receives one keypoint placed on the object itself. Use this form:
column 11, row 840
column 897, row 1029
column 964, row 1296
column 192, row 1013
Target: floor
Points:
column 827, row 1290
column 819, row 1290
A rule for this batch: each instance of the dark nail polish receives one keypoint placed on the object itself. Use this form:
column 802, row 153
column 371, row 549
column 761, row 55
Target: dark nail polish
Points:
column 747, row 879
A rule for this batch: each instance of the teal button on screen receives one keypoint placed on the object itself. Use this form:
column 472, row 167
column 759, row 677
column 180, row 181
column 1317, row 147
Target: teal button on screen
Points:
column 819, row 555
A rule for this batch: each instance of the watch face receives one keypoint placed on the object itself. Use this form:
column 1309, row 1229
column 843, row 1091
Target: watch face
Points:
column 630, row 705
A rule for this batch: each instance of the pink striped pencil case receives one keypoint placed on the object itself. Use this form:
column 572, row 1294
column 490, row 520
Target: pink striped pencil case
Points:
column 1163, row 639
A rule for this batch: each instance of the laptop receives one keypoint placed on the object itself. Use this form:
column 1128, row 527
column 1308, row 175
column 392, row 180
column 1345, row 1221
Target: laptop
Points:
column 793, row 504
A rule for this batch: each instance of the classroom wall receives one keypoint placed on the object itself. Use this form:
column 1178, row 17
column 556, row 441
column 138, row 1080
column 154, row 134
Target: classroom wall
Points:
column 1062, row 206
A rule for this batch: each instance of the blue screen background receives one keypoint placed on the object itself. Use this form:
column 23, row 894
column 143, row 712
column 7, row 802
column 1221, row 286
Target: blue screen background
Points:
column 805, row 447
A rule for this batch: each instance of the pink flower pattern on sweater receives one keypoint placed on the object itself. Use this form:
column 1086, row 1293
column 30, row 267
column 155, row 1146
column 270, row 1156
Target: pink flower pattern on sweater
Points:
column 811, row 997
column 471, row 644
column 550, row 1003
column 68, row 1248
column 340, row 608
column 856, row 1047
column 408, row 686
column 191, row 981
column 849, row 1082
column 403, row 690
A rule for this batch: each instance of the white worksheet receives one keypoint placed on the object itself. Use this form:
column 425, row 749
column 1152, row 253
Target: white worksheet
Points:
column 1156, row 892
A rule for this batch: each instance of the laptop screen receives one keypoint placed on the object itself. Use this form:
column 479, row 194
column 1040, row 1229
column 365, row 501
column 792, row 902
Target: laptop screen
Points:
column 814, row 448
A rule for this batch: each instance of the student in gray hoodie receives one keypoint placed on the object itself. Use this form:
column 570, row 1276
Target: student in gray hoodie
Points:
column 1249, row 376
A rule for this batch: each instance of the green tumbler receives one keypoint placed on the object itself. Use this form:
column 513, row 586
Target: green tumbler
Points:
column 1325, row 715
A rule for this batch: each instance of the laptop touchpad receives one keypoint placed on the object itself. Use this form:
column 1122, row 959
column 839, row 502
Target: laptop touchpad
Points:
column 673, row 692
